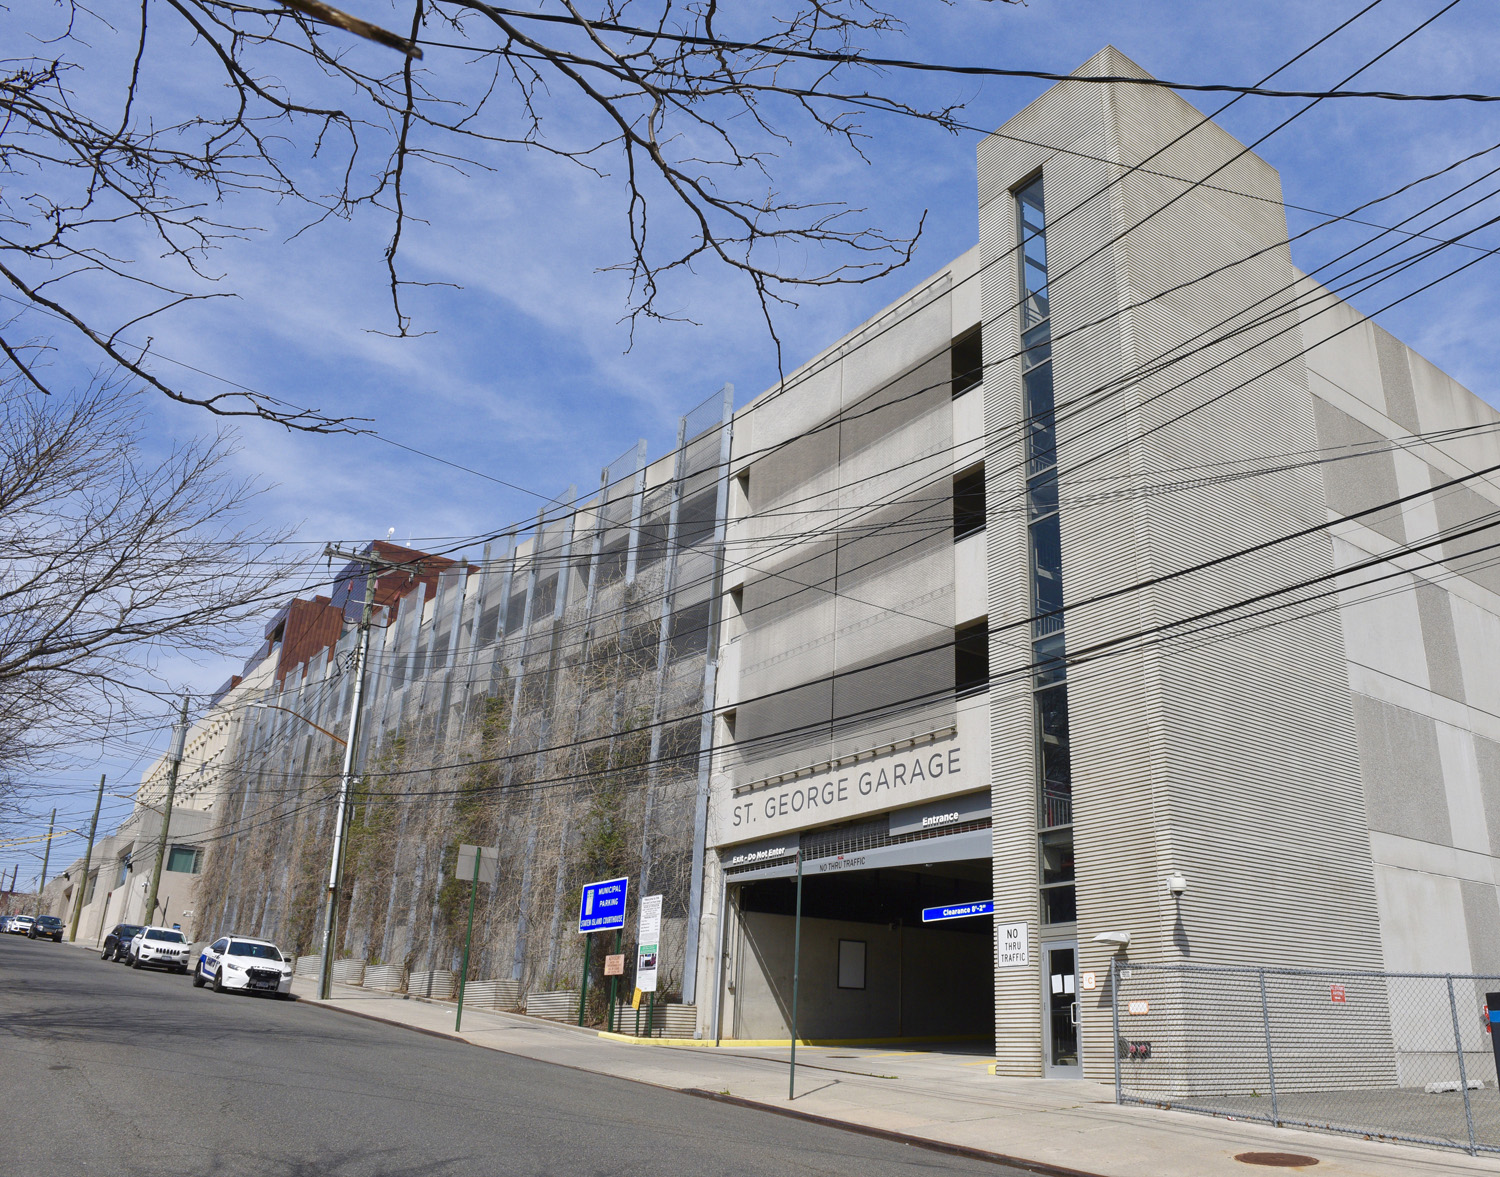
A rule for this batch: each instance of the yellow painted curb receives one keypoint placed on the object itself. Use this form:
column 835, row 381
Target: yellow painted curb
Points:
column 751, row 1043
column 990, row 1070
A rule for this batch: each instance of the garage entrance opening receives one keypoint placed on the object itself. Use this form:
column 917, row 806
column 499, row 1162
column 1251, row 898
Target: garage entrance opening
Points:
column 870, row 967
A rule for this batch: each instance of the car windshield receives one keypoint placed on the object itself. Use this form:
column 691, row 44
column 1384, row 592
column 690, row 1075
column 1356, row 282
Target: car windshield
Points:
column 169, row 937
column 50, row 920
column 263, row 951
column 128, row 930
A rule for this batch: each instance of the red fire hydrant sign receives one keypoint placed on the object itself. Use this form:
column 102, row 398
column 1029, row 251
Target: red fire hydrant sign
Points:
column 1337, row 993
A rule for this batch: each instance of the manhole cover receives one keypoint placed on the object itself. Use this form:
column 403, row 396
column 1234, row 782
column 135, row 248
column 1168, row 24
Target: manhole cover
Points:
column 1276, row 1160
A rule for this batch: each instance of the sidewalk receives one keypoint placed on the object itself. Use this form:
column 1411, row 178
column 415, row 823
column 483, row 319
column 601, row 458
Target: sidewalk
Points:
column 939, row 1097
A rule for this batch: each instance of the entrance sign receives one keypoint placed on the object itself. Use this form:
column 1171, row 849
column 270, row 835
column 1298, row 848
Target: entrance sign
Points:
column 603, row 906
column 936, row 814
column 958, row 911
column 1012, row 946
column 1337, row 993
column 648, row 937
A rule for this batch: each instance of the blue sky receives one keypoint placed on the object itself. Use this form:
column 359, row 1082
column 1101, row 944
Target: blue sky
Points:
column 526, row 374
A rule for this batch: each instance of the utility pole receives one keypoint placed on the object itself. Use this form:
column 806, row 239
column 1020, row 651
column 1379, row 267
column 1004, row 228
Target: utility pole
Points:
column 46, row 858
column 374, row 565
column 179, row 738
column 88, row 855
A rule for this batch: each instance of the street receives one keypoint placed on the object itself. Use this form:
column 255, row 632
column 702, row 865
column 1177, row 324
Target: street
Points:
column 105, row 1069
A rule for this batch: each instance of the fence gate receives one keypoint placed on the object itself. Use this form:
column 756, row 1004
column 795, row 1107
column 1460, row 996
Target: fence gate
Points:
column 1389, row 1056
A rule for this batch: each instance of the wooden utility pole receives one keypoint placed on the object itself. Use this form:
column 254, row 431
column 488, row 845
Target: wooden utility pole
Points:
column 179, row 737
column 88, row 855
column 46, row 858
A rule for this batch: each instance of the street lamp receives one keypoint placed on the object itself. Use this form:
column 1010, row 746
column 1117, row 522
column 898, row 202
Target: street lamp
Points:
column 273, row 707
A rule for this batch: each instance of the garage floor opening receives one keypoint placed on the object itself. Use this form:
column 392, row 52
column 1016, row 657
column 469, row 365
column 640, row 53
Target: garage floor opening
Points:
column 871, row 969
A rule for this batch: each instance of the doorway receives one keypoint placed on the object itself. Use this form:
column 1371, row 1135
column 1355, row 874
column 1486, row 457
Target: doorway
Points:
column 1060, row 1012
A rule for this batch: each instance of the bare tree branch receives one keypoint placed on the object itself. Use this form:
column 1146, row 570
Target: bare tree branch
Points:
column 120, row 196
column 112, row 560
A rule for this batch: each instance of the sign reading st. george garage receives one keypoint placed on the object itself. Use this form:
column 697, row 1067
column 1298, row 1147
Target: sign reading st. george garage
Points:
column 836, row 793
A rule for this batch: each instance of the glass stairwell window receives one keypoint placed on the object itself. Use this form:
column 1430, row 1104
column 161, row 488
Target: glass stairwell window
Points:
column 1054, row 771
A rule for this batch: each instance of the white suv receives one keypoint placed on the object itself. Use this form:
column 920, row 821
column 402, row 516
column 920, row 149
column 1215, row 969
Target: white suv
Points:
column 162, row 948
column 244, row 964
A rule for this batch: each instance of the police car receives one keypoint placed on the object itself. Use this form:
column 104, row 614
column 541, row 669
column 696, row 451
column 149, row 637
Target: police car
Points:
column 244, row 964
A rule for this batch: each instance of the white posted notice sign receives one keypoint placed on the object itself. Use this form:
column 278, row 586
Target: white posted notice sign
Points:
column 647, row 938
column 1010, row 945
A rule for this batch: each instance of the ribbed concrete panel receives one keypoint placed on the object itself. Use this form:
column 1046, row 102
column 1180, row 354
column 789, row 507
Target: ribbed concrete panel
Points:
column 1254, row 727
column 1074, row 115
column 1177, row 748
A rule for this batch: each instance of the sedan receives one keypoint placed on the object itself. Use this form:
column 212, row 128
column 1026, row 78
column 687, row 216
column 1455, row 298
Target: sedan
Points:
column 244, row 965
column 162, row 948
column 46, row 927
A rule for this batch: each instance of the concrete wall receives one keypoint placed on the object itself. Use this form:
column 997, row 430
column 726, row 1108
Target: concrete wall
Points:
column 1230, row 755
column 1421, row 628
column 919, row 981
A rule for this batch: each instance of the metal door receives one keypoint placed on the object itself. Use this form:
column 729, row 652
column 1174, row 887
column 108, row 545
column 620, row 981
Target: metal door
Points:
column 1060, row 1012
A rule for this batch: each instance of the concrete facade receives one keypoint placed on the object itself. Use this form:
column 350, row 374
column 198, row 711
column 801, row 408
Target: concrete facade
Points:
column 1307, row 739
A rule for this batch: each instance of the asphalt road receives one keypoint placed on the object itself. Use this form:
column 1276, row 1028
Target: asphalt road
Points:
column 107, row 1070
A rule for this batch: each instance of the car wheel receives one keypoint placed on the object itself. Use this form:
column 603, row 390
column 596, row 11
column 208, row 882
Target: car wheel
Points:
column 106, row 954
column 197, row 976
column 218, row 984
column 134, row 962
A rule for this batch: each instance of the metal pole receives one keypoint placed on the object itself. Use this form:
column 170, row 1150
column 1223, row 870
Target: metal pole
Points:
column 1265, row 1019
column 179, row 737
column 346, row 777
column 614, row 983
column 46, row 858
column 463, row 977
column 88, row 856
column 1463, row 1074
column 719, row 957
column 583, row 980
column 1114, row 1003
column 651, row 1014
column 791, row 1090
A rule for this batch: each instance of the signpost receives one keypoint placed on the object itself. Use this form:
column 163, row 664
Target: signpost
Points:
column 600, row 909
column 958, row 911
column 647, row 944
column 478, row 864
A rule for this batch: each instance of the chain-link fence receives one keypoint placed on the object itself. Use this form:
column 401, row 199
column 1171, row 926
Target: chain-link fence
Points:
column 1390, row 1056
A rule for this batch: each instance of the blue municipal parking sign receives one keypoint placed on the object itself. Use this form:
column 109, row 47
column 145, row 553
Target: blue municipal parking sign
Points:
column 958, row 911
column 603, row 906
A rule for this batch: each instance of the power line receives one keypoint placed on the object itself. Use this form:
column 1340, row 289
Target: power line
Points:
column 719, row 44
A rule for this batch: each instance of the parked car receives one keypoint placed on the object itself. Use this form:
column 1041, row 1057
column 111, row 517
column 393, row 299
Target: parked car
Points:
column 19, row 925
column 46, row 927
column 162, row 948
column 117, row 943
column 245, row 965
column 4, row 923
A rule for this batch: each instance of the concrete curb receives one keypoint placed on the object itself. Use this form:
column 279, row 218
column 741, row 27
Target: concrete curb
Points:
column 1039, row 1167
column 957, row 1150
